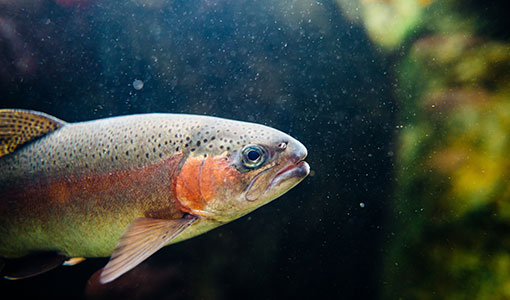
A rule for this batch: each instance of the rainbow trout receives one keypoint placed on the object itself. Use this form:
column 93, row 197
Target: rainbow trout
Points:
column 127, row 186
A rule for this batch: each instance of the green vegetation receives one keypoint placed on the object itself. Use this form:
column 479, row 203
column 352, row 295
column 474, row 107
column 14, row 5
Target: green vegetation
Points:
column 450, row 235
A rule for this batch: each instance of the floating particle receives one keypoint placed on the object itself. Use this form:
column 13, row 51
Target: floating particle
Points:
column 138, row 84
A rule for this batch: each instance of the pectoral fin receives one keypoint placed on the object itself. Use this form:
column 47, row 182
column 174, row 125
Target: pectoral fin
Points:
column 142, row 238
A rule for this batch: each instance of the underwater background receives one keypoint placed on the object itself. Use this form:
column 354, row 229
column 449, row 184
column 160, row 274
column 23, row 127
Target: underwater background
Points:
column 404, row 106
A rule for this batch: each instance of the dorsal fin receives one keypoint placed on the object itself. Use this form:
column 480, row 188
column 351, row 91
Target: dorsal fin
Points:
column 18, row 126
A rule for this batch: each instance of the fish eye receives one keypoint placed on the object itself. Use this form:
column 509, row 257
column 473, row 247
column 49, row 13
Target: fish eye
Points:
column 253, row 156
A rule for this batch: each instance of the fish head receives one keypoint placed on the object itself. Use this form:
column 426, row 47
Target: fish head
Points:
column 244, row 167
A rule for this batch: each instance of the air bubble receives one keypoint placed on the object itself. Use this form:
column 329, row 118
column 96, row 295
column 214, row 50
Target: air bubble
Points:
column 137, row 84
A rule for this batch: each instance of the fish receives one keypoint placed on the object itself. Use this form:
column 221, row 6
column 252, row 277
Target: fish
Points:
column 127, row 186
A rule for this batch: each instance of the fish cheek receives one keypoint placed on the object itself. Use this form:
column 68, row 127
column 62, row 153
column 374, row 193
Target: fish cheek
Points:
column 187, row 186
column 259, row 184
column 221, row 185
column 205, row 185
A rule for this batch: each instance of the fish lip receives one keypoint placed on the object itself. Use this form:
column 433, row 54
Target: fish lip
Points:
column 300, row 169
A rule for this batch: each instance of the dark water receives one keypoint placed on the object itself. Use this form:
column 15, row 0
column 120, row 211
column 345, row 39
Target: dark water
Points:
column 298, row 66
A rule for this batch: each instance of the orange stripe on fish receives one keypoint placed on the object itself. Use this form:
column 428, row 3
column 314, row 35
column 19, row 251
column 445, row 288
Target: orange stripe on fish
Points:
column 107, row 191
column 59, row 192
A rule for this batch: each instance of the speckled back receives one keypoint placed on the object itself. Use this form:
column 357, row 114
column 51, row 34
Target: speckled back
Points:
column 122, row 143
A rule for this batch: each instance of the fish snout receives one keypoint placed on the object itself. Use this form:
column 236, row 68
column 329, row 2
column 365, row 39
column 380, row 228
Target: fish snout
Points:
column 297, row 152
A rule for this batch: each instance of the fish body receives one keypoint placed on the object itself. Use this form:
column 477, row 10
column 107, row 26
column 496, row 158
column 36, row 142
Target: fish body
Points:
column 130, row 185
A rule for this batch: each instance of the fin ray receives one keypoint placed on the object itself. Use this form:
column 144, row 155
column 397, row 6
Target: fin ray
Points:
column 142, row 238
column 18, row 127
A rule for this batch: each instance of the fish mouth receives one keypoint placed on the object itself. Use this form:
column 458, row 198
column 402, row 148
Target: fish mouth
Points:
column 298, row 170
